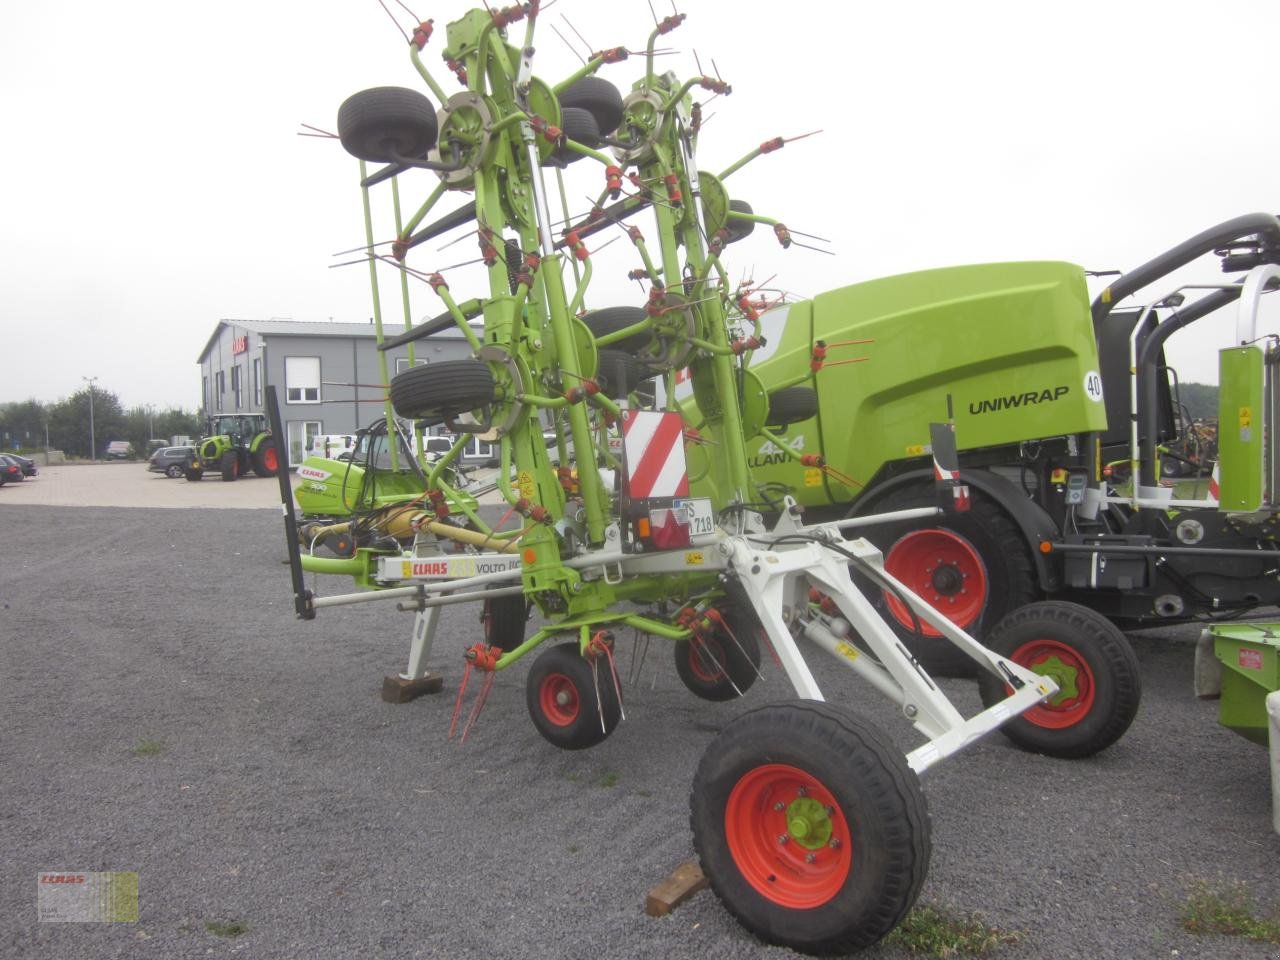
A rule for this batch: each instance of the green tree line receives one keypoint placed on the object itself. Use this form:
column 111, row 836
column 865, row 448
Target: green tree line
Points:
column 1200, row 399
column 23, row 424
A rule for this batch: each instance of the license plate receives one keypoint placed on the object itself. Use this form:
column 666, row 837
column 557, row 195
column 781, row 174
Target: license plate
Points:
column 698, row 514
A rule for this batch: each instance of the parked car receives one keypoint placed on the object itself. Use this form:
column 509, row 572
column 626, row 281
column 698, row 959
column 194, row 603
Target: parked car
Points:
column 26, row 463
column 171, row 461
column 118, row 450
column 11, row 469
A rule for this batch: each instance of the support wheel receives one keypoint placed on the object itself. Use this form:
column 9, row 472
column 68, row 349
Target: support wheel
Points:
column 442, row 391
column 561, row 695
column 266, row 460
column 229, row 466
column 611, row 320
column 579, row 126
column 739, row 229
column 974, row 567
column 619, row 373
column 383, row 123
column 1093, row 665
column 174, row 471
column 721, row 666
column 792, row 405
column 598, row 97
column 810, row 826
column 504, row 620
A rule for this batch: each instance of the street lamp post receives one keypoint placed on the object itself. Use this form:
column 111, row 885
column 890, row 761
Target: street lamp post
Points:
column 93, row 446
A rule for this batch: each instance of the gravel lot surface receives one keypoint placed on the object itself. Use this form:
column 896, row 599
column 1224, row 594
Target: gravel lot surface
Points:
column 289, row 796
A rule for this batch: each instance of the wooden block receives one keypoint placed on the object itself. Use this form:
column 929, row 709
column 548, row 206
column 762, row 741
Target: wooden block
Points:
column 685, row 880
column 398, row 689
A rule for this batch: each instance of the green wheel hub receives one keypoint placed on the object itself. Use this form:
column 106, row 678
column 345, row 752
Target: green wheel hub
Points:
column 808, row 823
column 1064, row 675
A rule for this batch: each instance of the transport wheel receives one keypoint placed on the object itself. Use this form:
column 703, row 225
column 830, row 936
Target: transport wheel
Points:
column 265, row 460
column 1093, row 665
column 561, row 695
column 810, row 826
column 440, row 391
column 194, row 474
column 612, row 319
column 619, row 373
column 382, row 123
column 504, row 620
column 721, row 667
column 580, row 126
column 598, row 97
column 792, row 405
column 739, row 229
column 174, row 471
column 229, row 466
column 973, row 566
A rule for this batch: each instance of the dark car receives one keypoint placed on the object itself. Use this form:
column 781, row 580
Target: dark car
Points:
column 171, row 461
column 26, row 463
column 10, row 469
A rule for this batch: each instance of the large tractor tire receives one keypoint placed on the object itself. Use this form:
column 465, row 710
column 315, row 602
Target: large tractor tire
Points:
column 441, row 391
column 561, row 693
column 383, row 123
column 229, row 466
column 266, row 459
column 810, row 826
column 1099, row 686
column 975, row 567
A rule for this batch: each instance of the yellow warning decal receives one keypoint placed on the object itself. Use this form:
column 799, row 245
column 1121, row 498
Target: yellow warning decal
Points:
column 525, row 482
column 693, row 558
column 915, row 450
column 848, row 651
column 813, row 478
column 406, row 569
column 1246, row 416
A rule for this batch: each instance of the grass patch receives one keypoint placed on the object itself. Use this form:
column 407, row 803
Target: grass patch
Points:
column 935, row 931
column 608, row 780
column 227, row 928
column 1228, row 910
column 149, row 748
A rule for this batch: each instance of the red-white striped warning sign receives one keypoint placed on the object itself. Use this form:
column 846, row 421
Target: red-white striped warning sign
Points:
column 653, row 450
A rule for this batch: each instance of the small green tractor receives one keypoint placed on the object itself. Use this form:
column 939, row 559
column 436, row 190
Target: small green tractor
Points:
column 233, row 444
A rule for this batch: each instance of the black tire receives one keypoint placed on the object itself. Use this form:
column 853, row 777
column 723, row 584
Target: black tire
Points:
column 612, row 319
column 266, row 459
column 580, row 126
column 442, row 391
column 174, row 471
column 792, row 405
column 194, row 474
column 561, row 696
column 229, row 466
column 379, row 124
column 739, row 229
column 1078, row 645
column 504, row 619
column 619, row 373
column 598, row 97
column 866, row 827
column 985, row 536
column 721, row 667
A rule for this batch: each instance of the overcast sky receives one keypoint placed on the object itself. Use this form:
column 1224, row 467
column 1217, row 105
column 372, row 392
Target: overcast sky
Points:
column 152, row 180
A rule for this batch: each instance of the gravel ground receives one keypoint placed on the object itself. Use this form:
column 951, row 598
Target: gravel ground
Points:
column 289, row 796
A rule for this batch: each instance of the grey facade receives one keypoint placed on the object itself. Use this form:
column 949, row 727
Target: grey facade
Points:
column 326, row 375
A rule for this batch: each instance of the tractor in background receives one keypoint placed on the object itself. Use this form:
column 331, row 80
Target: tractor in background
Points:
column 234, row 444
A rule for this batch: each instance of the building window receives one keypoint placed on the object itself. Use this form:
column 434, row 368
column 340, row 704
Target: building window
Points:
column 257, row 381
column 235, row 384
column 301, row 433
column 302, row 379
column 221, row 388
column 402, row 364
column 204, row 392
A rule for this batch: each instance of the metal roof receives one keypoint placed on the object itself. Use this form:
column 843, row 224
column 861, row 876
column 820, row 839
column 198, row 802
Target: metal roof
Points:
column 310, row 328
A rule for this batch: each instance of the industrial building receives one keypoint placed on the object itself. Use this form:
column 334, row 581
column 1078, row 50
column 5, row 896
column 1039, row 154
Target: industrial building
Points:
column 326, row 375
